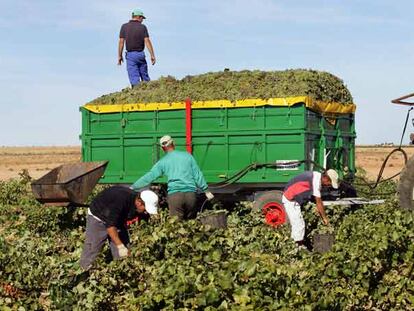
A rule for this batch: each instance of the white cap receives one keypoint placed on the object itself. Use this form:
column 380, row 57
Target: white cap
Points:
column 166, row 140
column 333, row 175
column 150, row 199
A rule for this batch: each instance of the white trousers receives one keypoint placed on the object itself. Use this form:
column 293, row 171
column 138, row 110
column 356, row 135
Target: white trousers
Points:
column 297, row 224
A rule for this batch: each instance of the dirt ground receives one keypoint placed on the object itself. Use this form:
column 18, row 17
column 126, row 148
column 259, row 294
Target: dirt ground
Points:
column 370, row 160
column 39, row 160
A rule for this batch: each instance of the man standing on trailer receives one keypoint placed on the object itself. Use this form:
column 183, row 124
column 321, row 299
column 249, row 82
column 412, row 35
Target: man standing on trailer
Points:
column 135, row 36
column 107, row 217
column 184, row 179
column 299, row 191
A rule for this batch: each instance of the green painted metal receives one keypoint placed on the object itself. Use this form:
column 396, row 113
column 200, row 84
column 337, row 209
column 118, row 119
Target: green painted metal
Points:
column 224, row 141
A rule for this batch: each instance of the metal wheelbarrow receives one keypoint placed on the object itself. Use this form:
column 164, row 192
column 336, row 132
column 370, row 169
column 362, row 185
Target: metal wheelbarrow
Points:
column 68, row 184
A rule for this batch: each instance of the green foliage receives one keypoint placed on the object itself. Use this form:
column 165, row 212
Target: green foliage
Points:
column 16, row 191
column 235, row 85
column 187, row 266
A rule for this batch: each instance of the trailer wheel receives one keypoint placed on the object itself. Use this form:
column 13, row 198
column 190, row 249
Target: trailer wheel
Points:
column 406, row 186
column 270, row 203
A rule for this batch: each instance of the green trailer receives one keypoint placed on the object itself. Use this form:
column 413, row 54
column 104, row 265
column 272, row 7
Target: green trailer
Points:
column 246, row 149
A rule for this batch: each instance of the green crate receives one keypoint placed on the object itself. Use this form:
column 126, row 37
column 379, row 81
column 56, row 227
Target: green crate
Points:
column 224, row 141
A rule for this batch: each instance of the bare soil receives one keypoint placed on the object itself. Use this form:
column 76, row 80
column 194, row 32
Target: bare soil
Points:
column 39, row 160
column 36, row 160
column 370, row 160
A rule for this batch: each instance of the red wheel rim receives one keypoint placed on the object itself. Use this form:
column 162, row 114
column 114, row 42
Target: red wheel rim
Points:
column 275, row 214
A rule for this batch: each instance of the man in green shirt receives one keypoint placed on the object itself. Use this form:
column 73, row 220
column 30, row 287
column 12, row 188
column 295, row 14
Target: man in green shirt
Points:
column 184, row 179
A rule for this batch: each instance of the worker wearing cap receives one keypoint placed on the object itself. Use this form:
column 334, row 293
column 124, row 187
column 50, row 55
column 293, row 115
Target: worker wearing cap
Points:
column 184, row 179
column 299, row 191
column 135, row 36
column 107, row 218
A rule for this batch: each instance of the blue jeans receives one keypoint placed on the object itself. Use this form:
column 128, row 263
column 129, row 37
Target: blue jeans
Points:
column 137, row 67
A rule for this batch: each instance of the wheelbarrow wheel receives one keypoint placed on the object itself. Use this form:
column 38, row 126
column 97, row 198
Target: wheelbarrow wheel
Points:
column 406, row 186
column 270, row 203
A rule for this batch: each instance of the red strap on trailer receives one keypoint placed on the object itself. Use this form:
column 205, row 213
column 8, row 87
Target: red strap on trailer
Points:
column 188, row 126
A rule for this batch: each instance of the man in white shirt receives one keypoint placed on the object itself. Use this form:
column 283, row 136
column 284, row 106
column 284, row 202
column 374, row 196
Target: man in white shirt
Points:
column 299, row 191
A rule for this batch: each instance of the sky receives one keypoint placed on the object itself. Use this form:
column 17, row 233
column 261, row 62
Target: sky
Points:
column 57, row 55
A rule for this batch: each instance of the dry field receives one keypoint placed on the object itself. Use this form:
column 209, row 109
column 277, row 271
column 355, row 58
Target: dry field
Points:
column 370, row 159
column 39, row 160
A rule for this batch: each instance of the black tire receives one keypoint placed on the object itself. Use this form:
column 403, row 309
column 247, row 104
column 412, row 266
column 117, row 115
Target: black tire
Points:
column 406, row 186
column 271, row 202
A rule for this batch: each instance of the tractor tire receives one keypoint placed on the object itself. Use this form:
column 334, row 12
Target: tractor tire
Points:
column 406, row 186
column 270, row 203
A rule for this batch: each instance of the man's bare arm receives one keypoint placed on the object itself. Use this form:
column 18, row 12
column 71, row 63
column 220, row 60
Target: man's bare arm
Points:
column 123, row 251
column 120, row 50
column 321, row 210
column 113, row 234
column 148, row 45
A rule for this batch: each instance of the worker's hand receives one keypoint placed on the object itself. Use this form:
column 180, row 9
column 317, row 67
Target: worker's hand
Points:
column 153, row 60
column 122, row 250
column 325, row 221
column 120, row 60
column 209, row 195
